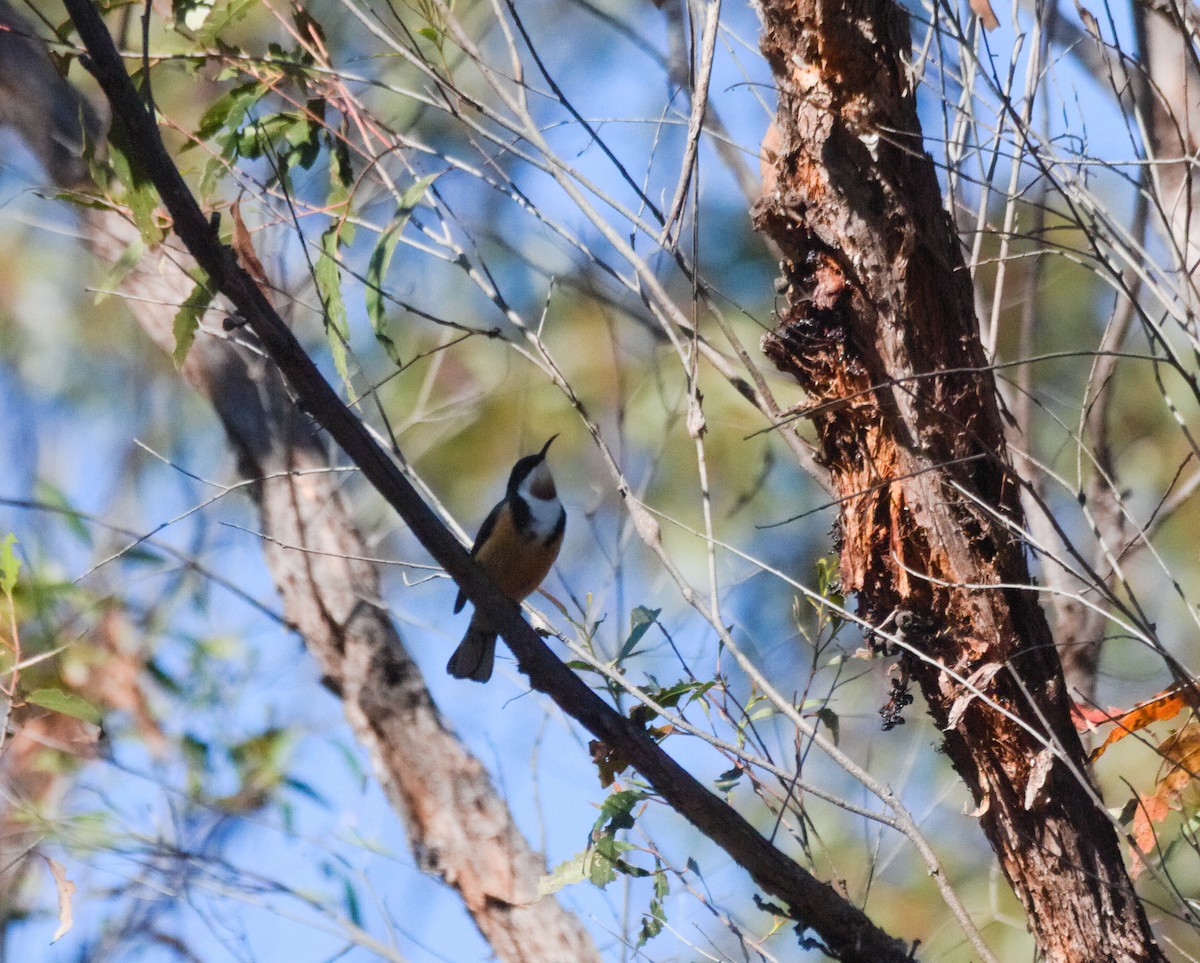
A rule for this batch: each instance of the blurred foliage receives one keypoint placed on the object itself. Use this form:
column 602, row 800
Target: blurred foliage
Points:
column 455, row 292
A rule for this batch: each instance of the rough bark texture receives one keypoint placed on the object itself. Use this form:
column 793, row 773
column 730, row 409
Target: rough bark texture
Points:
column 880, row 331
column 458, row 826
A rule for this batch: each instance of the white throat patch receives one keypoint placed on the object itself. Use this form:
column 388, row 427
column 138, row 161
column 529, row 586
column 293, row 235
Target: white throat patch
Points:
column 543, row 512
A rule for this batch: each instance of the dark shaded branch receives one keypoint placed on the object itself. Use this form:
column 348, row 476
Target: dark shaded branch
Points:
column 458, row 826
column 844, row 929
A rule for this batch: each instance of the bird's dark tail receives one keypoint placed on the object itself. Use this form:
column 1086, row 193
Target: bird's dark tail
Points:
column 475, row 653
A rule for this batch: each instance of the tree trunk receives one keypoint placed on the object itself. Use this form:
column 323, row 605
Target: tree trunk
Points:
column 880, row 330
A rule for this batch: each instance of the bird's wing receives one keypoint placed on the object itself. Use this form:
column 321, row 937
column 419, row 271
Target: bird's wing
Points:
column 485, row 530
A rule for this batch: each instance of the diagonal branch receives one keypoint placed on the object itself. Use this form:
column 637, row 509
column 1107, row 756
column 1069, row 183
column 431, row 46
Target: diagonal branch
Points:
column 457, row 824
column 844, row 929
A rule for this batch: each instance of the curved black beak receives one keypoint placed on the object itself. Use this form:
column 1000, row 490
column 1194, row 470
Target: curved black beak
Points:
column 546, row 447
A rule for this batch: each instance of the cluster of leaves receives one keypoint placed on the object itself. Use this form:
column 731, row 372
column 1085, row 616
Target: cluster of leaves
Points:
column 1177, row 783
column 604, row 859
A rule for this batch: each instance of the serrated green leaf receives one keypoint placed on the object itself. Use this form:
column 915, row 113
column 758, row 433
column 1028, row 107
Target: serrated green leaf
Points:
column 602, row 860
column 10, row 565
column 655, row 918
column 227, row 13
column 68, row 703
column 616, row 810
column 187, row 318
column 669, row 697
column 227, row 112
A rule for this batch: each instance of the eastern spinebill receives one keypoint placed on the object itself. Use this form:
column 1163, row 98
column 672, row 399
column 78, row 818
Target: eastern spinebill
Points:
column 516, row 545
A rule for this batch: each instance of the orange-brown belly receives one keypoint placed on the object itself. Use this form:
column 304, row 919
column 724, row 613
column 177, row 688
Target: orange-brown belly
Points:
column 516, row 565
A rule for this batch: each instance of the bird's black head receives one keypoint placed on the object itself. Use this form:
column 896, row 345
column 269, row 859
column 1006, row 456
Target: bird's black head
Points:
column 527, row 464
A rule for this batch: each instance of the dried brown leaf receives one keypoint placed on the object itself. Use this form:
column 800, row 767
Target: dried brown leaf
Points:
column 66, row 889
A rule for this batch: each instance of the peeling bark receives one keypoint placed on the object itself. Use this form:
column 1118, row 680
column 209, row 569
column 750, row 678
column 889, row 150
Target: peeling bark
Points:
column 880, row 331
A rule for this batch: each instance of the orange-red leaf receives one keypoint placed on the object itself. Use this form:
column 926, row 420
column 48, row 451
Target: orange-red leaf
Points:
column 1180, row 752
column 1165, row 705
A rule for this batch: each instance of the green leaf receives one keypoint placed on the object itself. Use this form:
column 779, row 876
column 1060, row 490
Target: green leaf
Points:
column 10, row 565
column 832, row 723
column 350, row 901
column 227, row 113
column 762, row 712
column 50, row 495
column 328, row 278
column 827, row 574
column 652, row 924
column 138, row 193
column 68, row 703
column 289, row 137
column 655, row 917
column 381, row 259
column 640, row 620
column 141, row 555
column 615, row 811
column 565, row 874
column 226, row 14
column 195, row 751
column 307, row 25
column 305, row 789
column 728, row 779
column 670, row 697
column 187, row 318
column 265, row 751
column 662, row 885
column 341, row 169
column 116, row 274
column 602, row 860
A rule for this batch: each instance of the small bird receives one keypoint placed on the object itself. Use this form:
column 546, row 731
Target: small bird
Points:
column 516, row 545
